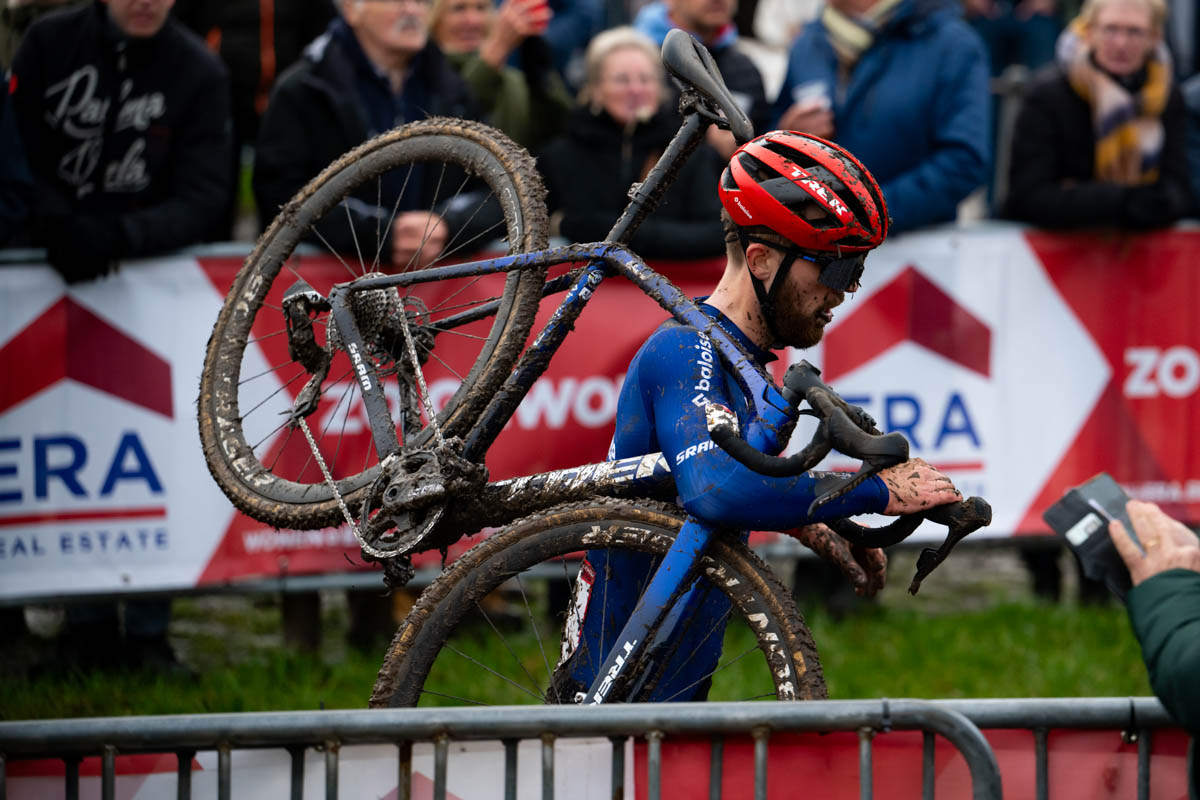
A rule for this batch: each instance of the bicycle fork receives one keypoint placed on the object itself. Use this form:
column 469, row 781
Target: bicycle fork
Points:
column 652, row 626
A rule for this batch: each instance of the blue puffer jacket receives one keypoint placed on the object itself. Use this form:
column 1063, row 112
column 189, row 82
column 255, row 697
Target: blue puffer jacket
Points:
column 915, row 110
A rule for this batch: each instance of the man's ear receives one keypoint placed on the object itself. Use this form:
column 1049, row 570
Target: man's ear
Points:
column 760, row 261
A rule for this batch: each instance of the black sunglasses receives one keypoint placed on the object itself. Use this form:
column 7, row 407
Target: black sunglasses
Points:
column 841, row 274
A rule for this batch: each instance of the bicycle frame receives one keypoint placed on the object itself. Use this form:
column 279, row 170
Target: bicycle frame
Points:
column 668, row 597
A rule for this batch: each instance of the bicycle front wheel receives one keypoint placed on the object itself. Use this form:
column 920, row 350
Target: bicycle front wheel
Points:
column 489, row 630
column 467, row 332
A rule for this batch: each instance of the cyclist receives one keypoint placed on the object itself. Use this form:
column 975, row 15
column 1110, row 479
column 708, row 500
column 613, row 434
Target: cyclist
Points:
column 800, row 216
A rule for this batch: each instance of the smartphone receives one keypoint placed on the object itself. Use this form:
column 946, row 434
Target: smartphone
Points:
column 812, row 93
column 1081, row 518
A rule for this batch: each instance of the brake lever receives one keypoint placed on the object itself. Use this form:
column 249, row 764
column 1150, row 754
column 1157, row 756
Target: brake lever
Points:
column 877, row 451
column 960, row 519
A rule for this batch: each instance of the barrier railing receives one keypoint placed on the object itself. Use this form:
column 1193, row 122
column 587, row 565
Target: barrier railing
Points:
column 958, row 721
column 70, row 740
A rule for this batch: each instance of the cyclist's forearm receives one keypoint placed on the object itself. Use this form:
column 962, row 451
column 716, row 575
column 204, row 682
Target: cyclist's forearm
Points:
column 731, row 495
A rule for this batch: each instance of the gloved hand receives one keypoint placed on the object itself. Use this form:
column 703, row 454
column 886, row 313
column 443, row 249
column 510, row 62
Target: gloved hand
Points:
column 864, row 567
column 1146, row 207
column 536, row 60
column 83, row 247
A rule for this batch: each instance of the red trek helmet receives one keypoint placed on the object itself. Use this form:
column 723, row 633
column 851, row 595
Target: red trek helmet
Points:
column 773, row 178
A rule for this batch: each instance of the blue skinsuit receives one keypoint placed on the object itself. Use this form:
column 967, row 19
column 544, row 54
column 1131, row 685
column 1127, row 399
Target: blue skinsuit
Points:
column 661, row 409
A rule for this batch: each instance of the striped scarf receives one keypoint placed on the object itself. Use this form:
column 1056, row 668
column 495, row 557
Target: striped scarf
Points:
column 1127, row 126
column 853, row 36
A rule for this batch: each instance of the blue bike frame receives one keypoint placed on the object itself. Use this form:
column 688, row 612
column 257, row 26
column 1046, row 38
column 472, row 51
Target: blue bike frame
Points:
column 670, row 596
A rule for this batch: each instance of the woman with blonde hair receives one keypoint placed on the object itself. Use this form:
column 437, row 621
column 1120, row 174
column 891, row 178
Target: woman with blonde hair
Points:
column 623, row 122
column 530, row 103
column 1101, row 136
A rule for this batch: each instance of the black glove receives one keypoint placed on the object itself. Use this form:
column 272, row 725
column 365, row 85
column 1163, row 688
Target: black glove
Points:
column 536, row 60
column 85, row 247
column 1146, row 207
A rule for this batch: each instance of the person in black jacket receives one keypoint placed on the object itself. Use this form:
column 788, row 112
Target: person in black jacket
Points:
column 1100, row 138
column 15, row 181
column 374, row 68
column 613, row 138
column 257, row 40
column 711, row 22
column 124, row 115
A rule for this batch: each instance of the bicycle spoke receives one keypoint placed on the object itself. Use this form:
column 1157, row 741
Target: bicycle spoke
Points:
column 282, row 448
column 504, row 641
column 354, row 234
column 392, row 218
column 437, row 191
column 536, row 633
column 260, row 403
column 720, row 668
column 256, row 340
column 453, row 697
column 332, row 251
column 267, row 371
column 486, row 668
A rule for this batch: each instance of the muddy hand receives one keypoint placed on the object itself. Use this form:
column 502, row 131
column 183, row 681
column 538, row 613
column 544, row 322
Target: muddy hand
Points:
column 914, row 486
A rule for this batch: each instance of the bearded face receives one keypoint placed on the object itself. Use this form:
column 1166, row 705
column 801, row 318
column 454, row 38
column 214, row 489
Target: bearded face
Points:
column 804, row 306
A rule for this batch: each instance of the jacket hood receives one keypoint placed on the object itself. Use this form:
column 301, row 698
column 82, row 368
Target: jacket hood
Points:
column 914, row 16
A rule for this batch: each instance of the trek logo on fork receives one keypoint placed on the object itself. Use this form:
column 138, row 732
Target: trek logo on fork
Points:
column 613, row 672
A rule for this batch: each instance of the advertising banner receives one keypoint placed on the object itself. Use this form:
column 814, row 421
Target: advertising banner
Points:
column 1021, row 363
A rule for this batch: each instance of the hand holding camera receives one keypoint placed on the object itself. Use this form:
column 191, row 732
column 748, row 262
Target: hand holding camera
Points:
column 1166, row 543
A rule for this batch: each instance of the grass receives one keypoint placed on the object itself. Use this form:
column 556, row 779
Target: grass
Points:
column 972, row 632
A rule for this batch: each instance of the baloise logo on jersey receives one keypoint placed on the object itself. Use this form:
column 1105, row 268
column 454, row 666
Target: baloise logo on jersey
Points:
column 920, row 363
column 83, row 412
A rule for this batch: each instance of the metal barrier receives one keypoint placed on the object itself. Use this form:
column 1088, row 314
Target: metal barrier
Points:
column 70, row 740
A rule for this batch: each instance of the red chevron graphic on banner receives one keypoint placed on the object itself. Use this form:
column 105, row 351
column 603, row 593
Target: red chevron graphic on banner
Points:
column 910, row 308
column 69, row 341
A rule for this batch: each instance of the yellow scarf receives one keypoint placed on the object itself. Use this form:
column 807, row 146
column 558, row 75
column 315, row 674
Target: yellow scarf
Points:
column 1128, row 127
column 853, row 36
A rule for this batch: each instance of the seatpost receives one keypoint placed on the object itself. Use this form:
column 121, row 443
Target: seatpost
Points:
column 645, row 196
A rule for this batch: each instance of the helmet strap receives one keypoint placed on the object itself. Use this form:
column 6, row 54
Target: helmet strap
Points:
column 766, row 297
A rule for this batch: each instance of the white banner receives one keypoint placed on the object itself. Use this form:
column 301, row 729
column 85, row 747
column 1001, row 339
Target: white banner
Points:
column 1019, row 362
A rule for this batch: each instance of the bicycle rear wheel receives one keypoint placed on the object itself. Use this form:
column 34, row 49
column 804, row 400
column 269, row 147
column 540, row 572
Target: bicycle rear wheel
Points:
column 453, row 648
column 468, row 331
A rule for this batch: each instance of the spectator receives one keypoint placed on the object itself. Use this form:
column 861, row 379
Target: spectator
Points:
column 777, row 23
column 15, row 18
column 1183, row 36
column 124, row 115
column 15, row 180
column 1164, row 609
column 875, row 73
column 1191, row 98
column 614, row 136
column 530, row 104
column 573, row 25
column 1100, row 138
column 1021, row 32
column 711, row 22
column 257, row 40
column 374, row 68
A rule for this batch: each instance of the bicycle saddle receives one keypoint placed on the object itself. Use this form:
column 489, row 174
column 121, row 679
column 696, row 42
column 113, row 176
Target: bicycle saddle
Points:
column 689, row 61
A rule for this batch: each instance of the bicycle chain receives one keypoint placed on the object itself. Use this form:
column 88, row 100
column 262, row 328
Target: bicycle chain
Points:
column 316, row 451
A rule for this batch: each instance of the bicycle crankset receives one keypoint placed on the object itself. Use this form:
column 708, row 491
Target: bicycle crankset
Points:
column 413, row 490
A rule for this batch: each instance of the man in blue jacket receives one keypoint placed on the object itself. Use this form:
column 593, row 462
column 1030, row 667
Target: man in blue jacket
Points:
column 902, row 84
column 711, row 22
